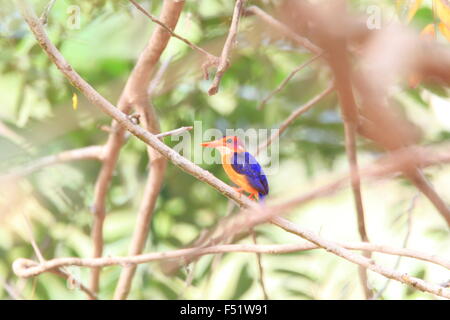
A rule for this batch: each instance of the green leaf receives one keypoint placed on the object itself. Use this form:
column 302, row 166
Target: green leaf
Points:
column 244, row 283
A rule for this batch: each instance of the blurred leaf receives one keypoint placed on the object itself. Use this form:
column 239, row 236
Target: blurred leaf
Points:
column 428, row 32
column 421, row 273
column 166, row 290
column 409, row 7
column 443, row 11
column 295, row 274
column 441, row 234
column 444, row 30
column 436, row 89
column 244, row 283
column 299, row 293
column 423, row 17
column 74, row 101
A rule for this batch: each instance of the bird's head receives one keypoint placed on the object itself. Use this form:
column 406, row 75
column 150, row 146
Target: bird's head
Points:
column 226, row 144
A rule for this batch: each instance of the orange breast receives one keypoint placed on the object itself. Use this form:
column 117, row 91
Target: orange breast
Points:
column 237, row 178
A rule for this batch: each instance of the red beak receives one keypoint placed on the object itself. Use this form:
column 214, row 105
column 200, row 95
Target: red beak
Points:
column 211, row 144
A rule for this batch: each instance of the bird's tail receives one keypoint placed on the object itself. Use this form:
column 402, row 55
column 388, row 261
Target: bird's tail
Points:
column 261, row 198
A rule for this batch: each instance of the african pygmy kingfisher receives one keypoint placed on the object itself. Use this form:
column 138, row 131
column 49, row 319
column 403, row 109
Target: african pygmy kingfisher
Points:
column 241, row 167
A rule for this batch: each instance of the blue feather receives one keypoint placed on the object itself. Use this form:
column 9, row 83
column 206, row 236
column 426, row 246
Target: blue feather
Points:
column 244, row 163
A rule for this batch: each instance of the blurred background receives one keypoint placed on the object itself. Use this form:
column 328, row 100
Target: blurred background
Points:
column 102, row 40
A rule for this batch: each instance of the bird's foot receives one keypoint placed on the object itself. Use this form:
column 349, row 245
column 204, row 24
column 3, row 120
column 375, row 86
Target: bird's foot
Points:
column 252, row 196
column 239, row 190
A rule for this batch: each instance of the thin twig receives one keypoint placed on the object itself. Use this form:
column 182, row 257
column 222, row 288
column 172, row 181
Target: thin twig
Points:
column 283, row 83
column 11, row 290
column 158, row 76
column 205, row 239
column 91, row 152
column 170, row 267
column 203, row 175
column 340, row 65
column 417, row 177
column 173, row 132
column 140, row 94
column 27, row 268
column 46, row 12
column 133, row 94
column 189, row 278
column 260, row 267
column 211, row 60
column 224, row 62
column 58, row 271
column 284, row 29
column 294, row 115
column 36, row 249
column 369, row 264
column 409, row 212
column 350, row 147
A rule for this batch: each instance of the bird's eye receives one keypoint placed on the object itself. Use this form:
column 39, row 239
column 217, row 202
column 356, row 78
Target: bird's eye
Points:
column 229, row 140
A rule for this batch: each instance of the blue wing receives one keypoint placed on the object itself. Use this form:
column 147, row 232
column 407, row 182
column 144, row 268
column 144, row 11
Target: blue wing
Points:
column 244, row 163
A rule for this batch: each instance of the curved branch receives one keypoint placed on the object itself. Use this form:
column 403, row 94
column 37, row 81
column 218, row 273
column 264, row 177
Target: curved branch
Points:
column 284, row 83
column 27, row 268
column 336, row 249
column 211, row 60
column 91, row 152
column 134, row 93
column 340, row 65
column 224, row 61
column 170, row 29
column 170, row 15
column 284, row 29
column 294, row 115
column 261, row 215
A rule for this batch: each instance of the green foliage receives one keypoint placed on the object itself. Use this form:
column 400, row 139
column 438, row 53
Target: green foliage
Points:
column 36, row 105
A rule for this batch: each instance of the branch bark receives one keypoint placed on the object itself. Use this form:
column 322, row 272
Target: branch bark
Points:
column 28, row 268
column 139, row 91
column 340, row 64
column 284, row 29
column 134, row 94
column 283, row 83
column 91, row 152
column 211, row 60
column 224, row 61
column 260, row 267
column 59, row 270
column 294, row 115
column 364, row 262
column 86, row 153
column 203, row 175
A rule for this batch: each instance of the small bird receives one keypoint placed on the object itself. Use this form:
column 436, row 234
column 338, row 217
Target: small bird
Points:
column 241, row 167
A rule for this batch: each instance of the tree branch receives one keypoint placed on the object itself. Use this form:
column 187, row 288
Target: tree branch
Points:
column 340, row 65
column 203, row 175
column 58, row 271
column 224, row 61
column 211, row 60
column 260, row 267
column 405, row 243
column 170, row 14
column 283, row 83
column 364, row 262
column 294, row 115
column 91, row 152
column 133, row 94
column 28, row 268
column 284, row 29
